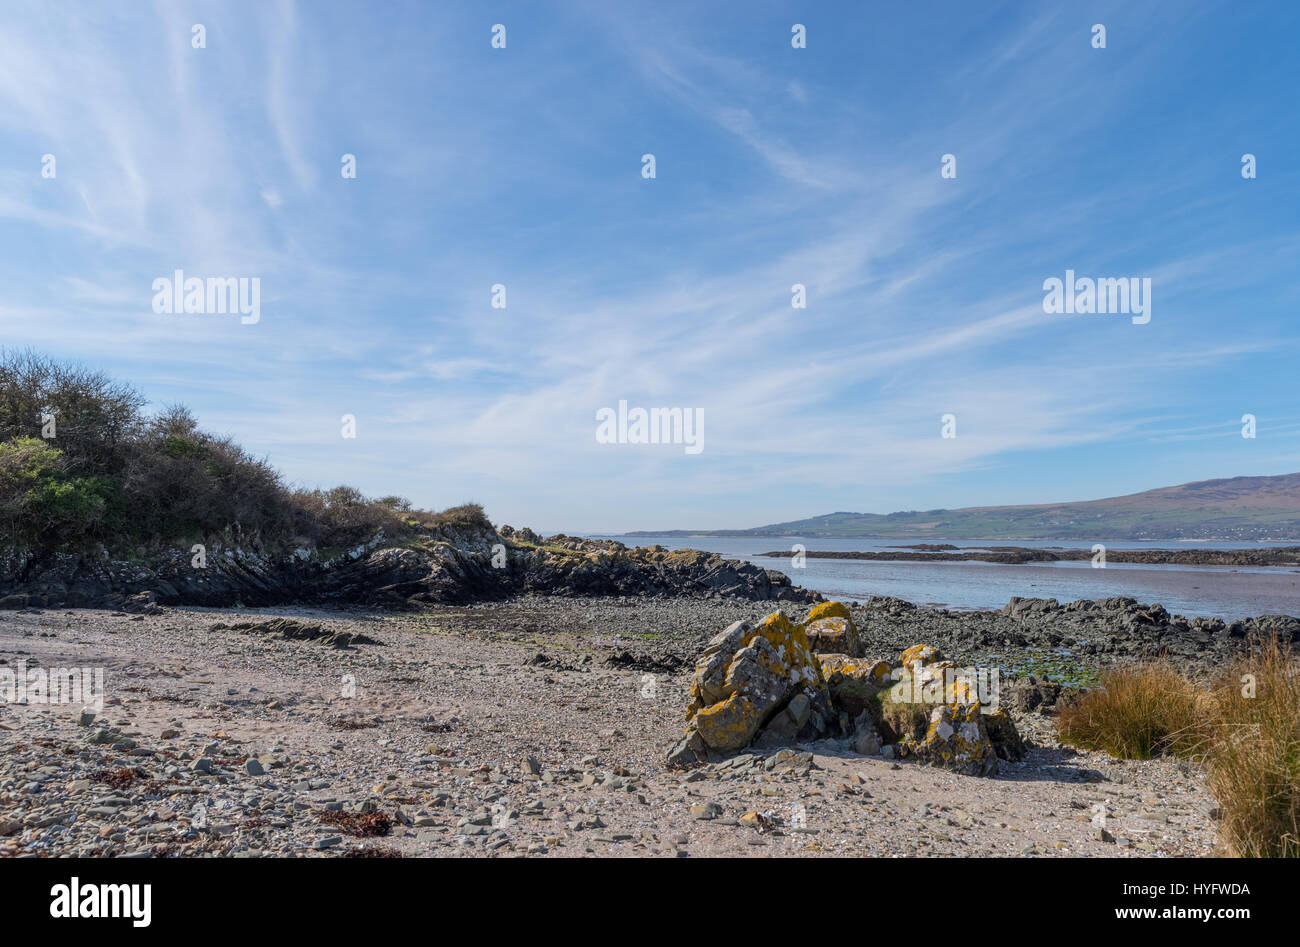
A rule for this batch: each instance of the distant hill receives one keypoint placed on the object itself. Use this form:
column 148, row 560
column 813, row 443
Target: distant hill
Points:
column 1238, row 508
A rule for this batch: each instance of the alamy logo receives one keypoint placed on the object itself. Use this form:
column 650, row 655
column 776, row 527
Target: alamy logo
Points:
column 1086, row 295
column 54, row 686
column 655, row 426
column 211, row 296
column 77, row 900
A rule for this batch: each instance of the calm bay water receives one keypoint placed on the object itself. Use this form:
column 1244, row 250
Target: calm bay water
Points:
column 1228, row 592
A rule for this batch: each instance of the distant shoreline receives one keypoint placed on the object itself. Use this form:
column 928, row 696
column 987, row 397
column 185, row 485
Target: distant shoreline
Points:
column 920, row 539
column 1280, row 556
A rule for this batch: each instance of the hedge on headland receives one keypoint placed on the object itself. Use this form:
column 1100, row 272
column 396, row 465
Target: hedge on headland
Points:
column 82, row 464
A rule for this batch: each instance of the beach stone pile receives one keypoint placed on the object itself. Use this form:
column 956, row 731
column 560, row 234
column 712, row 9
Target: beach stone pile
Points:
column 775, row 683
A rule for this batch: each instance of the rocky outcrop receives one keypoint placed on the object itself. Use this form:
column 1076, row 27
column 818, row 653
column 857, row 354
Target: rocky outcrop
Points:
column 763, row 685
column 753, row 676
column 437, row 565
column 1084, row 633
column 830, row 629
column 291, row 630
column 934, row 711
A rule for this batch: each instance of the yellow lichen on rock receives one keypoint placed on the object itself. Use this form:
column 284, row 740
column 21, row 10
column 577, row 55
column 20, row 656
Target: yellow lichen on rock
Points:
column 745, row 676
column 830, row 628
column 838, row 666
column 833, row 635
column 770, row 684
column 919, row 654
column 728, row 725
column 792, row 644
column 828, row 610
column 955, row 739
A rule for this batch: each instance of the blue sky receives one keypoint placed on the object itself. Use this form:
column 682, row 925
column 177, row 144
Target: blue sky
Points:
column 775, row 166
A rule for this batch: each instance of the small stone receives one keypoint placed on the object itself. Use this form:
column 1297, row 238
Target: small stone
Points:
column 705, row 811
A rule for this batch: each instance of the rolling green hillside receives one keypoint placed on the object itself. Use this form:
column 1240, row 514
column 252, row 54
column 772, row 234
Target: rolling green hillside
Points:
column 1238, row 508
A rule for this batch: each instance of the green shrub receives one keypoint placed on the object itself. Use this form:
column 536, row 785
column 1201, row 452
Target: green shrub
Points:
column 114, row 475
column 41, row 503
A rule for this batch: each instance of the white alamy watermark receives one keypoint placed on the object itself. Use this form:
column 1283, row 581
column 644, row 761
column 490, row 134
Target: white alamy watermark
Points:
column 39, row 686
column 214, row 295
column 651, row 426
column 74, row 899
column 1126, row 295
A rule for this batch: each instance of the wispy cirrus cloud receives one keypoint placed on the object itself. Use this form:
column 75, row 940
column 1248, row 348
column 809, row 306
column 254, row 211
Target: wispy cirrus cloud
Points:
column 521, row 166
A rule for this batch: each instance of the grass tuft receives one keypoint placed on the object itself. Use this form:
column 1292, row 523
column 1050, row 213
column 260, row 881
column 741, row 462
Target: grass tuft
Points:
column 1244, row 728
column 1254, row 754
column 1136, row 713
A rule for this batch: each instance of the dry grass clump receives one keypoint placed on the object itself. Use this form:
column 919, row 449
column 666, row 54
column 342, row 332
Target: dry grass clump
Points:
column 1253, row 754
column 1244, row 728
column 1137, row 713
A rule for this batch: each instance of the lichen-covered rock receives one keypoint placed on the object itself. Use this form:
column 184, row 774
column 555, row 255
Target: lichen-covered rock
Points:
column 853, row 683
column 955, row 738
column 746, row 677
column 828, row 610
column 830, row 628
column 837, row 666
column 1003, row 734
column 708, row 685
column 762, row 685
column 933, row 713
column 919, row 654
column 833, row 636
